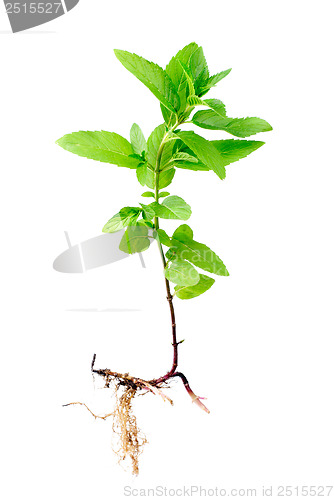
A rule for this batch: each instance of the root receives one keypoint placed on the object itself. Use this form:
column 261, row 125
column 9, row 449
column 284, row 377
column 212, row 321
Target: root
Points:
column 130, row 439
column 103, row 417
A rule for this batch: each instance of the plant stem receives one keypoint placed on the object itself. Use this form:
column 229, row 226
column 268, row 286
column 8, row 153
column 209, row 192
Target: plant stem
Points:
column 169, row 295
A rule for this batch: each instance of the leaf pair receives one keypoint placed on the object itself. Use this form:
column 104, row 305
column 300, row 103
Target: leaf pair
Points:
column 173, row 207
column 137, row 236
column 127, row 216
column 186, row 74
column 184, row 254
column 191, row 284
column 196, row 153
column 183, row 246
column 136, row 239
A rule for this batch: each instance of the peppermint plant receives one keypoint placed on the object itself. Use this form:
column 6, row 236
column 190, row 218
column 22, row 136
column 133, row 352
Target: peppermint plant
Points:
column 181, row 89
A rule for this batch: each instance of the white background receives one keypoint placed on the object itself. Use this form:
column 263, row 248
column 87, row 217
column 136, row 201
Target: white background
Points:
column 259, row 345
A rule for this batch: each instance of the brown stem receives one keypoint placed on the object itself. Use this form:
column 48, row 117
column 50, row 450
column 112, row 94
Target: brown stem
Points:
column 174, row 343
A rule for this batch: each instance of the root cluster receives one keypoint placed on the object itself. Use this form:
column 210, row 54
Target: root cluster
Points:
column 130, row 440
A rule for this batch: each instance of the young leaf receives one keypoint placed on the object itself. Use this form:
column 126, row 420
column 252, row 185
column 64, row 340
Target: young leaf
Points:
column 193, row 100
column 135, row 239
column 107, row 147
column 182, row 273
column 151, row 75
column 239, row 127
column 125, row 217
column 191, row 88
column 198, row 254
column 172, row 207
column 175, row 70
column 137, row 139
column 232, row 150
column 190, row 292
column 148, row 194
column 205, row 151
column 163, row 194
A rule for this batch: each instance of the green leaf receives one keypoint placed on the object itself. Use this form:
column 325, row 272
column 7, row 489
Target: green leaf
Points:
column 198, row 254
column 147, row 211
column 183, row 231
column 168, row 151
column 138, row 157
column 137, row 139
column 191, row 88
column 148, row 194
column 165, row 178
column 135, row 239
column 172, row 207
column 184, row 157
column 153, row 144
column 163, row 194
column 182, row 273
column 190, row 292
column 212, row 81
column 125, row 217
column 169, row 117
column 205, row 151
column 107, row 147
column 181, row 148
column 142, row 173
column 193, row 100
column 171, row 254
column 175, row 70
column 164, row 238
column 192, row 166
column 151, row 75
column 240, row 127
column 217, row 106
column 146, row 223
column 198, row 69
column 232, row 150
